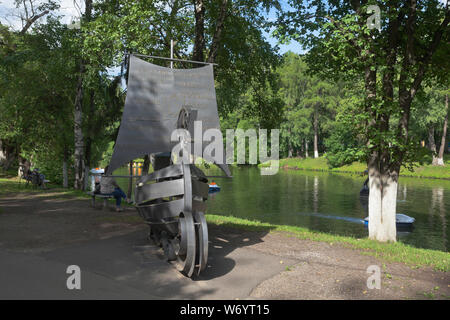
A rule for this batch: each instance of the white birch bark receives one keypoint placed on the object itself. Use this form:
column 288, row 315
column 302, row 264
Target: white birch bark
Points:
column 382, row 207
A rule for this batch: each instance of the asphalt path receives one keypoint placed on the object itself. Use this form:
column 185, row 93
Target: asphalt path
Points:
column 40, row 238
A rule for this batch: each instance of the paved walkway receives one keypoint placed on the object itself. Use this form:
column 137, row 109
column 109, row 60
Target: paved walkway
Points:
column 40, row 237
column 42, row 234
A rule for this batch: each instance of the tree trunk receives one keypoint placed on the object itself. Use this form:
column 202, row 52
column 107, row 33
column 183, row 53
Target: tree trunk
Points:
column 382, row 180
column 8, row 154
column 89, row 138
column 79, row 161
column 306, row 148
column 79, row 164
column 440, row 158
column 199, row 41
column 88, row 162
column 65, row 175
column 382, row 202
column 2, row 153
column 24, row 166
column 290, row 151
column 218, row 32
column 90, row 130
column 316, row 149
column 432, row 144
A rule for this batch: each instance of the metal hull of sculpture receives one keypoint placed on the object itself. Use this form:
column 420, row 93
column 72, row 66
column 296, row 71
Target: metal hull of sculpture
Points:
column 172, row 199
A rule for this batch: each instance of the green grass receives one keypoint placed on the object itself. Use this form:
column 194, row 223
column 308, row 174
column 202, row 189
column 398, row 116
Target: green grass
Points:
column 391, row 252
column 13, row 185
column 8, row 185
column 320, row 164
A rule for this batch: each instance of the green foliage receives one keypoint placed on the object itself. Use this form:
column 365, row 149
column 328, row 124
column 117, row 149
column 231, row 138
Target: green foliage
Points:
column 256, row 88
column 428, row 112
column 307, row 99
column 245, row 59
column 342, row 147
column 323, row 164
column 38, row 121
column 343, row 47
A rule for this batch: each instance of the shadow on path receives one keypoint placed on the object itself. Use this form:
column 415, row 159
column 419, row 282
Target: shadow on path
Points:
column 52, row 232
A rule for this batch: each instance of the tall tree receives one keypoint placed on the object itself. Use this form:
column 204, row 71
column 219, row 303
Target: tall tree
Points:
column 429, row 116
column 29, row 13
column 309, row 105
column 392, row 62
column 37, row 119
column 79, row 154
column 199, row 41
column 295, row 127
column 440, row 159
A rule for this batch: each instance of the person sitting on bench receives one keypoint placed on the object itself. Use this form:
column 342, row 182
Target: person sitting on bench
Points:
column 38, row 178
column 108, row 186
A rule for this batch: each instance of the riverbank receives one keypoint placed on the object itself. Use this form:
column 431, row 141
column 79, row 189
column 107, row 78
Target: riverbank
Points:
column 320, row 164
column 392, row 252
column 395, row 252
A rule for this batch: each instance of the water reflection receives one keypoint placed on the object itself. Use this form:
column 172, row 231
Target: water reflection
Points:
column 405, row 191
column 438, row 205
column 316, row 193
column 290, row 196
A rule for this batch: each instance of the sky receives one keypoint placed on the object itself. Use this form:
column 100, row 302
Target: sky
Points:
column 8, row 8
column 68, row 11
column 293, row 45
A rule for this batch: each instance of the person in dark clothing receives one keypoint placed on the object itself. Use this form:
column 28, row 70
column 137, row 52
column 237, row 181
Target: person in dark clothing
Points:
column 109, row 186
column 365, row 189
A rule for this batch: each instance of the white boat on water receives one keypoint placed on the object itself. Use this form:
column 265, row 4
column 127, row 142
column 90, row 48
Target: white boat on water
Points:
column 402, row 220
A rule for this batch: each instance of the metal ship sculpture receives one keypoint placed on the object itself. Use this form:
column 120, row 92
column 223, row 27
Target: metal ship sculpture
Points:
column 172, row 199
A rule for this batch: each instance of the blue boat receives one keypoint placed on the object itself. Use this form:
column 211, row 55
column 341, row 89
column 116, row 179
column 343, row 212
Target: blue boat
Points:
column 402, row 220
column 213, row 187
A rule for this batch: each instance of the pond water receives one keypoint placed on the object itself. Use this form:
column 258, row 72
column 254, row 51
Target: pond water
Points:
column 330, row 202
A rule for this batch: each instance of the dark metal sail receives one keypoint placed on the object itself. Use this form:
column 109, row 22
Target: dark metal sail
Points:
column 155, row 96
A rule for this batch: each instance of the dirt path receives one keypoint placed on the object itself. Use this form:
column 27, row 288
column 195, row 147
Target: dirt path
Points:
column 325, row 271
column 53, row 230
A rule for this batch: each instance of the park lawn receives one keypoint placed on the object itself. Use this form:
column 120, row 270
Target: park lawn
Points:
column 320, row 164
column 13, row 185
column 390, row 252
column 8, row 185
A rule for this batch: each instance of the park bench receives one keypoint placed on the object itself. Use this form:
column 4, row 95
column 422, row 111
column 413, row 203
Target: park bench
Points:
column 105, row 198
column 33, row 178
